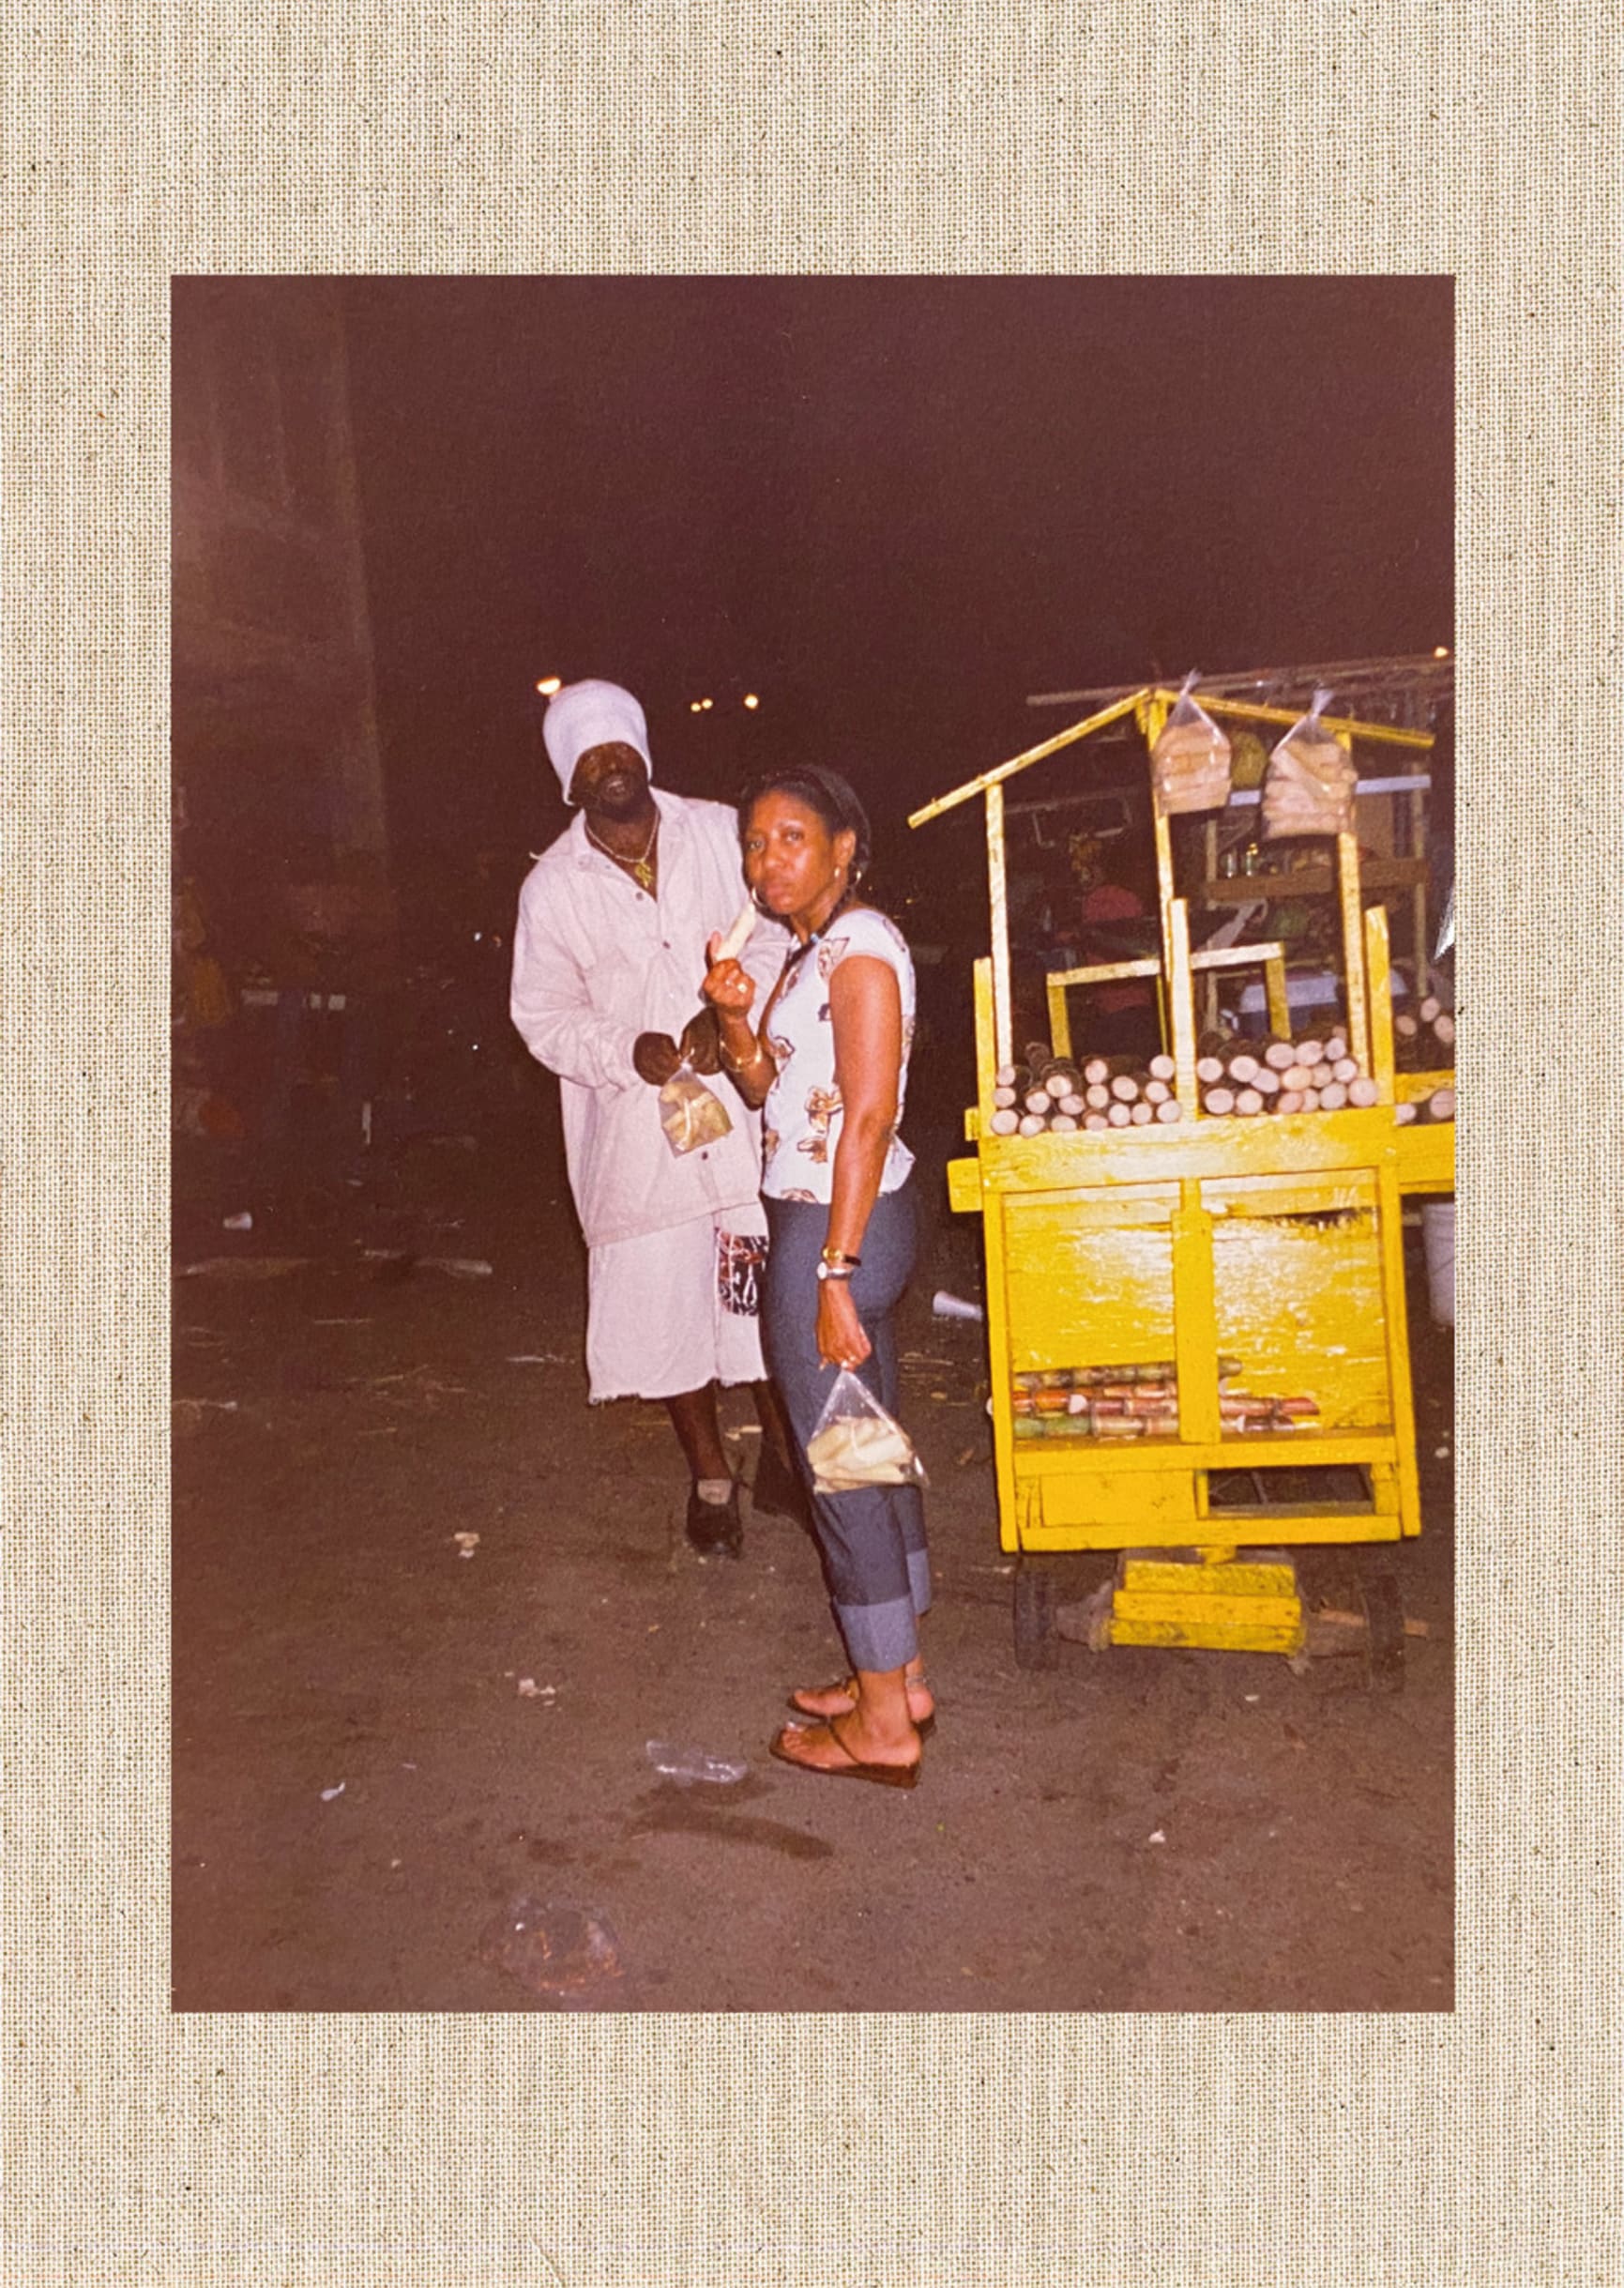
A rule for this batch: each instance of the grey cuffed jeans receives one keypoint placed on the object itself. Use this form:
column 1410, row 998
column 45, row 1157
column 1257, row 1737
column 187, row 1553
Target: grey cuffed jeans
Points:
column 873, row 1542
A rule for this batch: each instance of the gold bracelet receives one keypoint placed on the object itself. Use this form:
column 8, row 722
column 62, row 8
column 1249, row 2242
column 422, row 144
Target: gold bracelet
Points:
column 734, row 1065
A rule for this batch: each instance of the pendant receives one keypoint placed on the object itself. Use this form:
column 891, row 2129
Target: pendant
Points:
column 643, row 873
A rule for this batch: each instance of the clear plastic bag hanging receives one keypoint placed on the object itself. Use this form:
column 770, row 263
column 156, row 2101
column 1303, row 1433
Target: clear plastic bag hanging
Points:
column 689, row 1113
column 857, row 1443
column 1190, row 761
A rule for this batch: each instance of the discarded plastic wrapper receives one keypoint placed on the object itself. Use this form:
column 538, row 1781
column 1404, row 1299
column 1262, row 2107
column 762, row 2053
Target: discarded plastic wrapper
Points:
column 688, row 1767
column 857, row 1443
column 947, row 1306
column 1190, row 761
column 691, row 1114
column 1311, row 779
column 552, row 1947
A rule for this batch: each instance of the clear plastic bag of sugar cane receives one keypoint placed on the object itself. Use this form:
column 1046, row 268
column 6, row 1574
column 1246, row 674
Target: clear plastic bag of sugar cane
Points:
column 856, row 1444
column 1309, row 786
column 1190, row 761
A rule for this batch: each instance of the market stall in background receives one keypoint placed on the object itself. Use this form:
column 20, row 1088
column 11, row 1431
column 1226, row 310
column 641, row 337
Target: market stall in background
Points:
column 1195, row 1290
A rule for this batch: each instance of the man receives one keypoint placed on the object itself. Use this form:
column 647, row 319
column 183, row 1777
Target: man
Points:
column 608, row 956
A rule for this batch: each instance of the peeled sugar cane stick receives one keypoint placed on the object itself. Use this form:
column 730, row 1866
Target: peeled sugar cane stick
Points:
column 1156, row 1091
column 1335, row 1048
column 1118, row 1114
column 1243, row 1067
column 1310, row 1052
column 1162, row 1067
column 1010, row 1077
column 1095, row 1071
column 1005, row 1122
column 1323, row 1075
column 1403, row 1115
column 1032, row 1124
column 1170, row 1111
column 1060, row 1080
column 1004, row 1096
column 1097, row 1096
column 1363, row 1092
column 1430, row 1008
column 1297, row 1076
column 1444, row 1030
column 1095, row 1121
column 1247, row 1102
column 1072, row 1104
column 1289, row 1100
column 1209, row 1070
column 1038, row 1101
column 1334, row 1097
column 1062, row 1124
column 1278, row 1055
column 1441, row 1105
column 1267, row 1081
column 1218, row 1102
column 1404, row 1026
column 1344, row 1068
column 731, row 944
column 1141, row 1114
column 1124, row 1088
column 1311, row 1100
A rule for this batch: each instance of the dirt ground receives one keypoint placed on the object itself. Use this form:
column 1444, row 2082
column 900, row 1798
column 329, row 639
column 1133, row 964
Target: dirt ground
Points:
column 1134, row 1830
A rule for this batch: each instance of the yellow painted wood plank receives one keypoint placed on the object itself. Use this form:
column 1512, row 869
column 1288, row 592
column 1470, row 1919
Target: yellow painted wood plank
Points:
column 1232, row 1577
column 997, row 889
column 1377, row 733
column 1194, row 1317
column 1209, row 1637
column 1024, row 761
column 1300, row 1530
column 1353, row 947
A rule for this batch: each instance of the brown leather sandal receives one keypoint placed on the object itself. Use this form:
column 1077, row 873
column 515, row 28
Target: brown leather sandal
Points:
column 796, row 1701
column 879, row 1774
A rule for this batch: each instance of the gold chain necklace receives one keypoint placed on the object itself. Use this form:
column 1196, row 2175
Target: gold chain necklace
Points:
column 642, row 867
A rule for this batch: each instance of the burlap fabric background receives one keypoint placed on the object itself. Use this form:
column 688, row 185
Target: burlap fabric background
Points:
column 644, row 2153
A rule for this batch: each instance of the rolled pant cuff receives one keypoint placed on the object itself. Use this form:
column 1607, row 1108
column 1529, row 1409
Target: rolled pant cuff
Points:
column 879, row 1636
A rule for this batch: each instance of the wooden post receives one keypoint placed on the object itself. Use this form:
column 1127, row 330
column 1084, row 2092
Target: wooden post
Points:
column 1379, row 978
column 997, row 889
column 1418, row 894
column 1181, row 1008
column 1353, row 949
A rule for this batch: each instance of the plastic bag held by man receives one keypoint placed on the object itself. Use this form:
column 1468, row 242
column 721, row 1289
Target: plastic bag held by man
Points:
column 1310, row 782
column 1190, row 761
column 689, row 1113
column 857, row 1443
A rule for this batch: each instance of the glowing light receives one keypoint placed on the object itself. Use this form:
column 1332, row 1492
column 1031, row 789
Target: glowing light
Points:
column 750, row 699
column 1440, row 651
column 707, row 704
column 549, row 684
column 695, row 706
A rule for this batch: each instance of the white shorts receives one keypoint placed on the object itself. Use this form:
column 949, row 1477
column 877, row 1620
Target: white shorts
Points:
column 677, row 1310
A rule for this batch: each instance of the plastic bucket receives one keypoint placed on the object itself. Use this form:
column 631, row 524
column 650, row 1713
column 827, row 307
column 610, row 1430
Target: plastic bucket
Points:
column 1439, row 1239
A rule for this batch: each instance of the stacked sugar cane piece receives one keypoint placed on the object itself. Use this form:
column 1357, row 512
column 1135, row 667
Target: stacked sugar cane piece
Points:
column 1315, row 1074
column 1127, row 1402
column 1058, row 1096
column 1424, row 1042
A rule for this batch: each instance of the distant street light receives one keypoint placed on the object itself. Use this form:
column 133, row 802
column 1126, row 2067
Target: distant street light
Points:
column 549, row 684
column 695, row 706
column 1441, row 652
column 750, row 699
column 707, row 704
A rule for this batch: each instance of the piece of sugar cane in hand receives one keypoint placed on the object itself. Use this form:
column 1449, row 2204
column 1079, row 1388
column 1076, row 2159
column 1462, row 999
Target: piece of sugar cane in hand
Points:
column 729, row 947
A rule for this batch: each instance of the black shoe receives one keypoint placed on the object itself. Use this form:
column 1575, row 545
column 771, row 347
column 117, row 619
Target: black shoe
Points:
column 777, row 1492
column 714, row 1529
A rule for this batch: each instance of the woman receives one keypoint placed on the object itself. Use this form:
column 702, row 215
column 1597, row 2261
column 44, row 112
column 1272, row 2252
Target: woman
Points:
column 829, row 1062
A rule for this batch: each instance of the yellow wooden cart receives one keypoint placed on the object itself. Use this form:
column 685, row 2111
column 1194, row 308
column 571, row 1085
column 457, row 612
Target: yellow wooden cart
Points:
column 1260, row 1254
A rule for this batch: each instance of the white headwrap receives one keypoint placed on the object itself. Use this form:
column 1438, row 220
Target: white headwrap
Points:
column 591, row 714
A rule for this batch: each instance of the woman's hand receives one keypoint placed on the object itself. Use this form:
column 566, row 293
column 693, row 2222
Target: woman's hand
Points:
column 840, row 1339
column 728, row 987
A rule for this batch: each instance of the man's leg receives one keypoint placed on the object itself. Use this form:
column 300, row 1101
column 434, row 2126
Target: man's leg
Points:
column 695, row 1418
column 780, row 1489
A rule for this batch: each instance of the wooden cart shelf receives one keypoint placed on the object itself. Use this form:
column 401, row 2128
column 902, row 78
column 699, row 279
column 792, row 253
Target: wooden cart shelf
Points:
column 1312, row 882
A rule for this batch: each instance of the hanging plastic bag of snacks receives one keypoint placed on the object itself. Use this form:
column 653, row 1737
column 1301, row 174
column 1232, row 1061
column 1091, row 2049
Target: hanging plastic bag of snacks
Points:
column 1190, row 761
column 1310, row 782
column 857, row 1443
column 689, row 1113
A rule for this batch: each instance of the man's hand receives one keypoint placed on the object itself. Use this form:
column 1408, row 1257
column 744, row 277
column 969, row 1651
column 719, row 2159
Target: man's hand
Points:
column 656, row 1057
column 701, row 1041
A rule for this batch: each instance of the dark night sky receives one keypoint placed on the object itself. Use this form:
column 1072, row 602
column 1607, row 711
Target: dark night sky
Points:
column 892, row 506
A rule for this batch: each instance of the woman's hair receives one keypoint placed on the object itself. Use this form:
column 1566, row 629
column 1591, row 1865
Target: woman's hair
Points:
column 823, row 792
